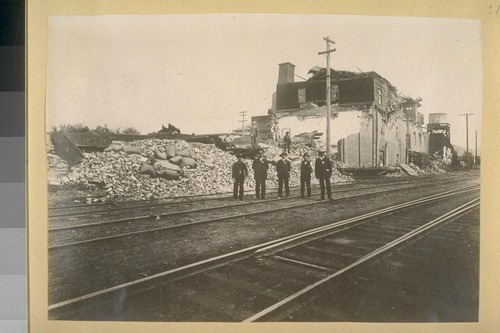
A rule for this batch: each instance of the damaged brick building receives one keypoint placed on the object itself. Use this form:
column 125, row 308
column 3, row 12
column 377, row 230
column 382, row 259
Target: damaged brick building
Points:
column 373, row 124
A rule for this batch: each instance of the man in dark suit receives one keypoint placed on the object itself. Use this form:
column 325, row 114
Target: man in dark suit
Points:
column 240, row 171
column 287, row 141
column 323, row 172
column 260, row 167
column 283, row 168
column 254, row 135
column 305, row 175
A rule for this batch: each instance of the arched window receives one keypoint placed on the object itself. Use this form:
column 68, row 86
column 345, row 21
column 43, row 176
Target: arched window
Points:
column 415, row 138
column 420, row 139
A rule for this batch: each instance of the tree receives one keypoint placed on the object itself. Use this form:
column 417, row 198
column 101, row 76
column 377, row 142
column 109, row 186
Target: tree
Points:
column 79, row 128
column 130, row 130
column 102, row 129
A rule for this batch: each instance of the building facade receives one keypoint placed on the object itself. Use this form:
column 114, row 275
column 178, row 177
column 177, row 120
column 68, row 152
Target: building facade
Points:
column 372, row 124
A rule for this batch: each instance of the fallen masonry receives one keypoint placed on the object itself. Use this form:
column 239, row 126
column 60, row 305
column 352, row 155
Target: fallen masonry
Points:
column 172, row 168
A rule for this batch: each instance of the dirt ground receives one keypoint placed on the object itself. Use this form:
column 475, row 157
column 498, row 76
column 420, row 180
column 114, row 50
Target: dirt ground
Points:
column 67, row 195
column 131, row 258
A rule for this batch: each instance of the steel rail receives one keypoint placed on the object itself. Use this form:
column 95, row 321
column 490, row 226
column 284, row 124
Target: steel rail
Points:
column 219, row 194
column 217, row 219
column 223, row 195
column 271, row 310
column 365, row 216
column 141, row 217
column 193, row 201
column 250, row 251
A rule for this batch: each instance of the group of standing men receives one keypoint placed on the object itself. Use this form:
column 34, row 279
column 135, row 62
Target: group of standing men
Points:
column 322, row 171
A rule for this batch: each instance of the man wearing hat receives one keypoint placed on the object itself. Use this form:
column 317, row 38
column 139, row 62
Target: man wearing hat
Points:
column 240, row 171
column 323, row 172
column 283, row 168
column 260, row 167
column 287, row 141
column 305, row 175
column 254, row 134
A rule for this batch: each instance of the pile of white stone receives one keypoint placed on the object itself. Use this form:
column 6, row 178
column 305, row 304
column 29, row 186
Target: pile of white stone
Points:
column 160, row 168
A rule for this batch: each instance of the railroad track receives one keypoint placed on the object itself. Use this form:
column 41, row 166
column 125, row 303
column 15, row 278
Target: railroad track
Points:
column 187, row 198
column 83, row 233
column 433, row 278
column 107, row 208
column 288, row 259
column 83, row 209
column 281, row 309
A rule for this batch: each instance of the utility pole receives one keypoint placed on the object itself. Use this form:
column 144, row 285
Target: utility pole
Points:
column 242, row 121
column 467, row 136
column 327, row 52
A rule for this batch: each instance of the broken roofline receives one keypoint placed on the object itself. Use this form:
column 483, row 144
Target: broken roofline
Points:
column 350, row 89
column 346, row 107
column 319, row 73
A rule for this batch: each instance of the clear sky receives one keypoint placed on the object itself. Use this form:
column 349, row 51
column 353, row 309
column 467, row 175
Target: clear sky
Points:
column 199, row 71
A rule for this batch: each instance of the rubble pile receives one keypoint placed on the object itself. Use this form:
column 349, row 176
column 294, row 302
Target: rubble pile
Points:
column 56, row 166
column 306, row 138
column 417, row 169
column 297, row 150
column 154, row 168
column 435, row 167
column 396, row 173
column 54, row 162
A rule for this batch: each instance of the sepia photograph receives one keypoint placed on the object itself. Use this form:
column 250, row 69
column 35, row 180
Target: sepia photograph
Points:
column 246, row 167
column 237, row 167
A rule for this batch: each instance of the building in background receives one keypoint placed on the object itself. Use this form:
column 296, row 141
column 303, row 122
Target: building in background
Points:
column 263, row 126
column 373, row 124
column 439, row 135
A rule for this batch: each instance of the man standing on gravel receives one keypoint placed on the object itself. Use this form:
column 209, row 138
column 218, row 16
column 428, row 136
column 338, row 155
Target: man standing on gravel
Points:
column 240, row 171
column 254, row 135
column 287, row 141
column 323, row 172
column 305, row 175
column 283, row 168
column 260, row 167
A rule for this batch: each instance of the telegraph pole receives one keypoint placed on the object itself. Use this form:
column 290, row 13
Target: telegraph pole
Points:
column 467, row 135
column 327, row 52
column 242, row 121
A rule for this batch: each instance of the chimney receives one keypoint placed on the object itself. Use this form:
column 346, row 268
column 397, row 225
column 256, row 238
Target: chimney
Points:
column 286, row 73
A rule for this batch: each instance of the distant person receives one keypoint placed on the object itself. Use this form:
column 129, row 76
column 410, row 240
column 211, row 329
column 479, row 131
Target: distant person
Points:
column 323, row 172
column 270, row 139
column 228, row 141
column 283, row 168
column 287, row 142
column 305, row 175
column 275, row 130
column 260, row 166
column 240, row 172
column 254, row 135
